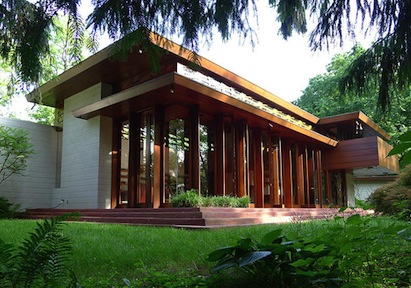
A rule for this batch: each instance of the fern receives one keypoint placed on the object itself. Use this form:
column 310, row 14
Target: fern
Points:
column 40, row 260
column 6, row 256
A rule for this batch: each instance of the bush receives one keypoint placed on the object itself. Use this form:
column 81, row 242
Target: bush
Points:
column 352, row 252
column 395, row 198
column 9, row 210
column 192, row 198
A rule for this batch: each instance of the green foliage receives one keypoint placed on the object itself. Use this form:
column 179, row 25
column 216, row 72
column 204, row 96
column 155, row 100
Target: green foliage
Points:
column 9, row 210
column 352, row 252
column 68, row 42
column 394, row 198
column 40, row 260
column 26, row 27
column 152, row 278
column 25, row 31
column 323, row 98
column 105, row 254
column 192, row 198
column 403, row 148
column 15, row 148
column 43, row 115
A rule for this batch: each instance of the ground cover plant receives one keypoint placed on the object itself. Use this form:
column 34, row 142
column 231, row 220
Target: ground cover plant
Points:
column 192, row 198
column 375, row 251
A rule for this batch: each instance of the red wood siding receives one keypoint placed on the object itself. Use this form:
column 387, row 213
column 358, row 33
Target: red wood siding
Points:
column 357, row 153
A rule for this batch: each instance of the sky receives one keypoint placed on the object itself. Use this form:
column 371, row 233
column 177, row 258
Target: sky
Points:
column 282, row 67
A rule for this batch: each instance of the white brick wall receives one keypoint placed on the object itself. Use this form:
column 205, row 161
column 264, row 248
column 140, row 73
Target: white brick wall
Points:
column 35, row 188
column 86, row 160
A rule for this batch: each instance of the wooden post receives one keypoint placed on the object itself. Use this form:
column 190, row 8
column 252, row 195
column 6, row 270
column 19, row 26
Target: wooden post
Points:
column 158, row 189
column 219, row 156
column 287, row 166
column 241, row 158
column 259, row 169
column 115, row 164
column 133, row 158
column 299, row 154
column 194, row 162
column 318, row 161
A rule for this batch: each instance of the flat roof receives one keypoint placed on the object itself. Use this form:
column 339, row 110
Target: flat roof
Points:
column 350, row 117
column 127, row 99
column 100, row 67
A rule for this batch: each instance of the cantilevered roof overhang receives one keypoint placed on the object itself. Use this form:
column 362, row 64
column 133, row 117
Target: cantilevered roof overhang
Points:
column 103, row 68
column 333, row 121
column 171, row 87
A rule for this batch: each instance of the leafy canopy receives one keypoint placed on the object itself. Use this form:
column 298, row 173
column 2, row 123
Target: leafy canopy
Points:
column 25, row 28
column 323, row 98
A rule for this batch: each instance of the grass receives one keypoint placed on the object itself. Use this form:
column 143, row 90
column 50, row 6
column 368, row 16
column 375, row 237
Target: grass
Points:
column 110, row 252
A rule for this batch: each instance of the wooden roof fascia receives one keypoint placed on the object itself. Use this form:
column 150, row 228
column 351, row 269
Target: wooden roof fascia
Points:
column 365, row 119
column 70, row 73
column 351, row 117
column 186, row 55
column 221, row 72
column 92, row 110
column 195, row 86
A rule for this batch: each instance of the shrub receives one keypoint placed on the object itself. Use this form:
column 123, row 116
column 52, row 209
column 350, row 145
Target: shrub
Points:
column 192, row 198
column 352, row 252
column 394, row 198
column 9, row 210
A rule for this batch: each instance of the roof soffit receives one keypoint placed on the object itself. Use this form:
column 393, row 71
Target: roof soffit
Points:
column 333, row 121
column 94, row 69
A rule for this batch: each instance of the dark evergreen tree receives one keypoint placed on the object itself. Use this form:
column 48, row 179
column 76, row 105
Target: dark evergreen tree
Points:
column 25, row 28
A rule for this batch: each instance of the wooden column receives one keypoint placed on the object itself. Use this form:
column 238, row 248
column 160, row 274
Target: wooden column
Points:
column 287, row 170
column 194, row 155
column 158, row 189
column 258, row 169
column 318, row 162
column 299, row 155
column 133, row 158
column 276, row 175
column 115, row 164
column 219, row 176
column 241, row 158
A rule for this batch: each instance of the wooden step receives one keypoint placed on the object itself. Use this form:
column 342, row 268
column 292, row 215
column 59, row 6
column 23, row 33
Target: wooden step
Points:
column 196, row 217
column 137, row 216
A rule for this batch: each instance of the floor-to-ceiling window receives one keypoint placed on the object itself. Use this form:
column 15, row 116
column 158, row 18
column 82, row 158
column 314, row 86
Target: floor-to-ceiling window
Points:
column 176, row 145
column 271, row 164
column 122, row 198
column 145, row 160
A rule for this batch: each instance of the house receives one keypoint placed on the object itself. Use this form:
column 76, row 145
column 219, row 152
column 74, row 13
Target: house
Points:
column 131, row 137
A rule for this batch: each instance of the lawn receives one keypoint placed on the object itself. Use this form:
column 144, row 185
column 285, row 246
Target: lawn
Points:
column 113, row 251
column 106, row 253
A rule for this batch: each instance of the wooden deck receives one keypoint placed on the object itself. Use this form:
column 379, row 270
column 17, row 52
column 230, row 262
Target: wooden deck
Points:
column 196, row 217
